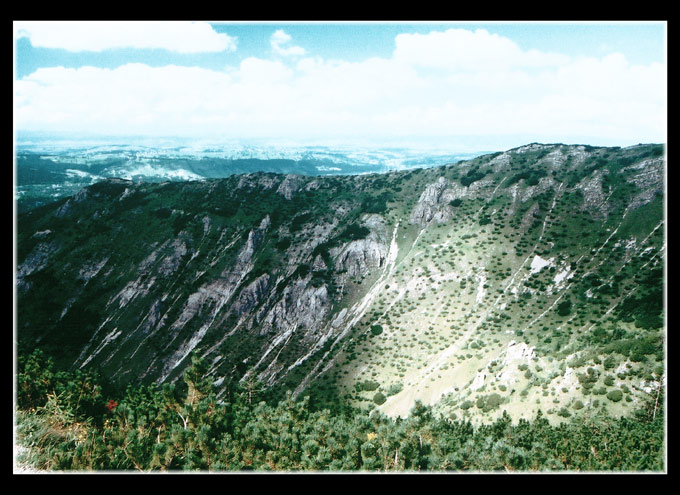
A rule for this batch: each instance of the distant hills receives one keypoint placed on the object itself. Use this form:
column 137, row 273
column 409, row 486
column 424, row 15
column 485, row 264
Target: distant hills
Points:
column 46, row 171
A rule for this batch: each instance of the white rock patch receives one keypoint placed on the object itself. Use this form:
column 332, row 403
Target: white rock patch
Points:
column 480, row 289
column 538, row 263
column 563, row 275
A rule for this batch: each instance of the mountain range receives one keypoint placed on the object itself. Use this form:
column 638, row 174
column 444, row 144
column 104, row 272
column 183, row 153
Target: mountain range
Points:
column 49, row 170
column 512, row 281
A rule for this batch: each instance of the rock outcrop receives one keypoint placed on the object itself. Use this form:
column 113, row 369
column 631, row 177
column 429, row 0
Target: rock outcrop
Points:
column 430, row 206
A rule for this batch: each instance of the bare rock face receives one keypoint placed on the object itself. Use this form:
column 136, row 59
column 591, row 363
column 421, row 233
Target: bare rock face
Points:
column 358, row 257
column 35, row 261
column 172, row 261
column 594, row 199
column 301, row 306
column 254, row 240
column 515, row 354
column 430, row 207
column 290, row 185
column 264, row 182
column 66, row 208
column 319, row 264
column 649, row 179
column 555, row 159
column 501, row 162
column 252, row 294
column 545, row 183
column 90, row 270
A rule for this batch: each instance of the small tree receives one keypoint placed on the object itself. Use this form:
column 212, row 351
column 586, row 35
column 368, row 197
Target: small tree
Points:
column 564, row 308
column 615, row 395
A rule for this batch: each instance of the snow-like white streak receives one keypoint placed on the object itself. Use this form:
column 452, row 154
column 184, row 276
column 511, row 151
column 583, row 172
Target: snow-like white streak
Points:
column 71, row 172
column 149, row 171
column 480, row 289
column 564, row 274
column 538, row 263
column 113, row 335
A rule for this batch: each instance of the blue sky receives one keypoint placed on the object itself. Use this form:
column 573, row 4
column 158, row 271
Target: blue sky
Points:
column 493, row 84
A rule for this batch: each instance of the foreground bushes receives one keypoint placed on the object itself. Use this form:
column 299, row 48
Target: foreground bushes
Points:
column 69, row 422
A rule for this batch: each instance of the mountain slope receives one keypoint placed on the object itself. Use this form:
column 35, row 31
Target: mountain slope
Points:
column 520, row 280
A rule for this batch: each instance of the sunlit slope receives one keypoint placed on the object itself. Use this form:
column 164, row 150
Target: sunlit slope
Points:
column 521, row 280
column 507, row 296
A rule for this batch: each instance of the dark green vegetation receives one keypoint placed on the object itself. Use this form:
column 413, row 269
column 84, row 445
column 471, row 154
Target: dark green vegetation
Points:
column 521, row 281
column 73, row 422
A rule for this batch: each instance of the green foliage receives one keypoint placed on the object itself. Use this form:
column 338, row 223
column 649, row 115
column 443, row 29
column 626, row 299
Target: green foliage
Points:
column 354, row 232
column 367, row 385
column 484, row 220
column 473, row 175
column 588, row 379
column 564, row 308
column 530, row 176
column 615, row 395
column 376, row 329
column 283, row 244
column 564, row 412
column 376, row 203
column 645, row 309
column 394, row 389
column 299, row 220
column 489, row 402
column 167, row 429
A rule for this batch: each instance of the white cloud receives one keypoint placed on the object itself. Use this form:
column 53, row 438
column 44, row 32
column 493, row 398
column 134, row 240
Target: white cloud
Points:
column 442, row 93
column 463, row 50
column 78, row 36
column 278, row 41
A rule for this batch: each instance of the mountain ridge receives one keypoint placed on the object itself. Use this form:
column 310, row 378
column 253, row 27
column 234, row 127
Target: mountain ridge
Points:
column 307, row 283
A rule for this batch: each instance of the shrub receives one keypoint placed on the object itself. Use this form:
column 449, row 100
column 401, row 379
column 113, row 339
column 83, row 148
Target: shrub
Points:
column 564, row 412
column 610, row 363
column 376, row 329
column 283, row 244
column 163, row 212
column 489, row 402
column 367, row 386
column 615, row 395
column 354, row 232
column 600, row 391
column 394, row 389
column 379, row 398
column 564, row 308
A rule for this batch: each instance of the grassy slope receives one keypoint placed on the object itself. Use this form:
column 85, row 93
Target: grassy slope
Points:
column 463, row 292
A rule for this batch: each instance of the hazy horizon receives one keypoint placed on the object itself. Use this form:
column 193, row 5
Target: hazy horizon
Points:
column 462, row 86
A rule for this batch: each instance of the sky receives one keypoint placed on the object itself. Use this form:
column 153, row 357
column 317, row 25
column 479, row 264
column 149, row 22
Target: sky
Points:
column 466, row 85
